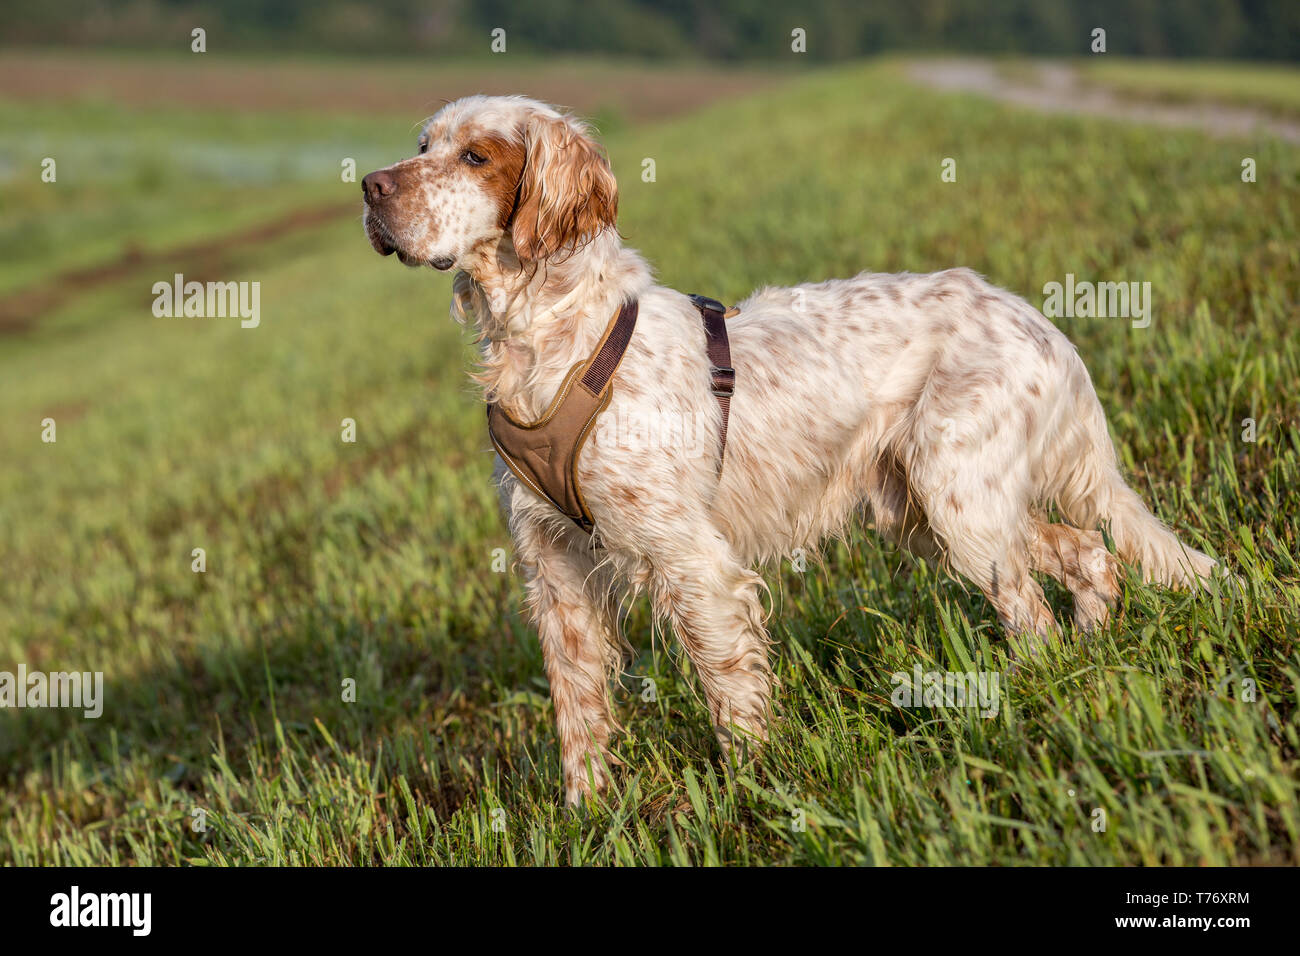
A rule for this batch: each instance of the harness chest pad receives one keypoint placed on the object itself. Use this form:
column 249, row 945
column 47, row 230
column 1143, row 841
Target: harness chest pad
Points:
column 544, row 454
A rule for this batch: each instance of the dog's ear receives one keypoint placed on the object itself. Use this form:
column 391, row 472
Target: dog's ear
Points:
column 567, row 193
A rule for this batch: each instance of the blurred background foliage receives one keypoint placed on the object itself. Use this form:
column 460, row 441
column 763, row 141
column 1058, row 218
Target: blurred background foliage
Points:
column 730, row 29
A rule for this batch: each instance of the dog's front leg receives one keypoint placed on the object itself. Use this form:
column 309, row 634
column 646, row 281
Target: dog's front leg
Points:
column 712, row 601
column 578, row 645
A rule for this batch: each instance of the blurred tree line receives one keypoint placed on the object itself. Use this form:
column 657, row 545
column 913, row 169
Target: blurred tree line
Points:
column 732, row 29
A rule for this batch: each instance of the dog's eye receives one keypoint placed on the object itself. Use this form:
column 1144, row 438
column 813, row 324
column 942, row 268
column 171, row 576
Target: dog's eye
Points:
column 473, row 158
column 422, row 147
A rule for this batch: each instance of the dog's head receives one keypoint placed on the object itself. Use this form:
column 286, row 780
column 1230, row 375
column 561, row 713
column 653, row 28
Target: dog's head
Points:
column 488, row 168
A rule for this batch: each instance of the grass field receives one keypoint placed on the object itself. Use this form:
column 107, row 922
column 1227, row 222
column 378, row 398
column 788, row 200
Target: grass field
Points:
column 374, row 561
column 1269, row 87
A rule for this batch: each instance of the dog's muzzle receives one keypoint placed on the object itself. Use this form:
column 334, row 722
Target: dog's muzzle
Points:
column 376, row 189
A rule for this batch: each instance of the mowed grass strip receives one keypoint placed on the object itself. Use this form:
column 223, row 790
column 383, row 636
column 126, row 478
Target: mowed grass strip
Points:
column 392, row 86
column 1267, row 86
column 156, row 151
column 1171, row 737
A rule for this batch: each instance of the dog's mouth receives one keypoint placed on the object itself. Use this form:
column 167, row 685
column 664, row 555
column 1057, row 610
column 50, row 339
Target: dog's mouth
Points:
column 441, row 263
column 383, row 244
column 378, row 235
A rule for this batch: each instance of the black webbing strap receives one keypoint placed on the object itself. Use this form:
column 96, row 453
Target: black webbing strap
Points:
column 611, row 350
column 714, row 314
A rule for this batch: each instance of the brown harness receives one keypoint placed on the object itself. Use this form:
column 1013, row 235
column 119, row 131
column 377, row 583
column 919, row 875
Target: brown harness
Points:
column 544, row 455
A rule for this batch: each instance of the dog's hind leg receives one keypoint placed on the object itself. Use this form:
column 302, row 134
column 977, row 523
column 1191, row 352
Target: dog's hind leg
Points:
column 1080, row 561
column 978, row 509
column 1090, row 491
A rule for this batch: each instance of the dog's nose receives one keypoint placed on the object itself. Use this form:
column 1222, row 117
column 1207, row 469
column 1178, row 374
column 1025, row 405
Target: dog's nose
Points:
column 377, row 186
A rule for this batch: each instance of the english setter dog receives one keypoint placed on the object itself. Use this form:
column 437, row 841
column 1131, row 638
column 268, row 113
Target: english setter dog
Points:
column 949, row 412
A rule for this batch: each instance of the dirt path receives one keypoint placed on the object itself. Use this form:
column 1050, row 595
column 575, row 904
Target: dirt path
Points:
column 405, row 88
column 1058, row 88
column 19, row 311
column 400, row 87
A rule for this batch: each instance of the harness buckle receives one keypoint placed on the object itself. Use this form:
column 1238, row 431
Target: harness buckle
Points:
column 704, row 302
column 724, row 380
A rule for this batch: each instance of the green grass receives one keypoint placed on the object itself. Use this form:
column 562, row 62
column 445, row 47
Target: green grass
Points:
column 374, row 561
column 127, row 179
column 1271, row 87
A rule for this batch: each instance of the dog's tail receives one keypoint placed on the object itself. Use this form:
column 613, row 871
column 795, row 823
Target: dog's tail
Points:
column 1094, row 493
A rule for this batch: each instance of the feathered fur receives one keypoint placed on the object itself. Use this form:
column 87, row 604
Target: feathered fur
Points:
column 950, row 412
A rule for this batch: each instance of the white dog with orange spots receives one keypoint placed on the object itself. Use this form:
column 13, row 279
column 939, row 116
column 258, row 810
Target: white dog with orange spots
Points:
column 950, row 412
